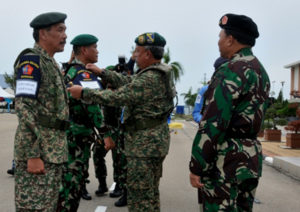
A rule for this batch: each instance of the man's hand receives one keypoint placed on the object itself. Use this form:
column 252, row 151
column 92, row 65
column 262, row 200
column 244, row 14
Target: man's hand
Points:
column 195, row 181
column 35, row 166
column 95, row 69
column 75, row 91
column 109, row 143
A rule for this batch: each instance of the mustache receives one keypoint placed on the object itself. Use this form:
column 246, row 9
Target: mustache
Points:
column 63, row 42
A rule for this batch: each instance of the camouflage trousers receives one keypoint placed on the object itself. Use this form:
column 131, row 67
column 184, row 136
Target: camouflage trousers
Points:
column 75, row 173
column 119, row 159
column 143, row 176
column 221, row 195
column 99, row 154
column 37, row 192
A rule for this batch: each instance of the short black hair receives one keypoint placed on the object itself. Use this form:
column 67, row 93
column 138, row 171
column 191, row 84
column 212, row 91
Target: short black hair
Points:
column 241, row 38
column 36, row 35
column 76, row 50
column 156, row 51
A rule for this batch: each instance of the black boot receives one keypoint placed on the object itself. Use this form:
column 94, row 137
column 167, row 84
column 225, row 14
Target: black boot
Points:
column 12, row 170
column 102, row 188
column 123, row 200
column 85, row 194
column 117, row 192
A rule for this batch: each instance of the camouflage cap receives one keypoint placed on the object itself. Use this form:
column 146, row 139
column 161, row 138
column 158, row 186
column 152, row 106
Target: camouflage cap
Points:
column 150, row 39
column 240, row 25
column 47, row 19
column 84, row 40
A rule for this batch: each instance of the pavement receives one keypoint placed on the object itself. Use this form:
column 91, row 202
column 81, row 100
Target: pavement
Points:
column 282, row 157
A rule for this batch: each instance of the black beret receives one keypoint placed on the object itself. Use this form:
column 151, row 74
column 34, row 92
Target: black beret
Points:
column 240, row 26
column 150, row 39
column 84, row 40
column 47, row 19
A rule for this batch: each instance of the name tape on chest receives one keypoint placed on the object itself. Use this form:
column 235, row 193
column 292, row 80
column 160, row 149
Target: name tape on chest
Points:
column 28, row 76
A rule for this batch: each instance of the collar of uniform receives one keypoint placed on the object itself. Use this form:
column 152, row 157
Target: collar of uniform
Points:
column 245, row 51
column 42, row 51
column 45, row 54
column 77, row 61
column 152, row 65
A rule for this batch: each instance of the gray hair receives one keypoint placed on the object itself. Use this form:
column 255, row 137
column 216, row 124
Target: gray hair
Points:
column 156, row 51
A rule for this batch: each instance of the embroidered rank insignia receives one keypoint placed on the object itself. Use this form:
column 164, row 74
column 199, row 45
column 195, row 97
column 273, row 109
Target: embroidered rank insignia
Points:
column 28, row 76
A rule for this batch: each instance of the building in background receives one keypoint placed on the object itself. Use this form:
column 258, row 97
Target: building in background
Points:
column 295, row 81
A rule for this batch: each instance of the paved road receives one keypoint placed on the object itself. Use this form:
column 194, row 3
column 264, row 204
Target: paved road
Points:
column 276, row 191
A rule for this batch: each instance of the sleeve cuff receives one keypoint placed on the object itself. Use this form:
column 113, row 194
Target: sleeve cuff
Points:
column 195, row 167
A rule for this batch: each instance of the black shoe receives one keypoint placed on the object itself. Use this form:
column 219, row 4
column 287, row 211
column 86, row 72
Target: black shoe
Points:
column 101, row 190
column 117, row 192
column 122, row 201
column 11, row 171
column 85, row 195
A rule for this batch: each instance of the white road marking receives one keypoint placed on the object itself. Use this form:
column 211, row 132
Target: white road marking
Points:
column 101, row 209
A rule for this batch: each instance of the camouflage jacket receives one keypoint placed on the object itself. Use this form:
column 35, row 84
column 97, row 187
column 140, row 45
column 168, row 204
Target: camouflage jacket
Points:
column 145, row 97
column 84, row 116
column 33, row 139
column 235, row 103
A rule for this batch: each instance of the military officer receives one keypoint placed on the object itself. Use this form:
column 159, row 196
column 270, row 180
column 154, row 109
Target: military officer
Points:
column 226, row 160
column 86, row 121
column 42, row 109
column 148, row 97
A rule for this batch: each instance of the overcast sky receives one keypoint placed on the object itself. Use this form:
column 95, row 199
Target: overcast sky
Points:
column 189, row 26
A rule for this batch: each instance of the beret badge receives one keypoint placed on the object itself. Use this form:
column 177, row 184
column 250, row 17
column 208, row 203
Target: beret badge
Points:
column 141, row 39
column 224, row 20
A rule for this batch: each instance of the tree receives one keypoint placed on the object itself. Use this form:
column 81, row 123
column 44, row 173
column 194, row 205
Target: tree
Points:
column 177, row 68
column 189, row 98
column 9, row 79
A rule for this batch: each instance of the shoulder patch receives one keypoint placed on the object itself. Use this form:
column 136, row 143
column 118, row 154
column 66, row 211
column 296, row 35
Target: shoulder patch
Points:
column 28, row 76
column 86, row 79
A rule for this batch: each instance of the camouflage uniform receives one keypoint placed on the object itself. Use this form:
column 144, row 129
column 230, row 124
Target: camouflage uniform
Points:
column 40, row 133
column 112, row 116
column 80, row 137
column 147, row 135
column 226, row 153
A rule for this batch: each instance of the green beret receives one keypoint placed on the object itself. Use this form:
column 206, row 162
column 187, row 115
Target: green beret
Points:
column 84, row 40
column 240, row 27
column 150, row 39
column 47, row 19
column 111, row 68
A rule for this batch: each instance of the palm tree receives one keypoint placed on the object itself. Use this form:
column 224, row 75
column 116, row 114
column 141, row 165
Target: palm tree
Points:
column 9, row 79
column 177, row 68
column 189, row 98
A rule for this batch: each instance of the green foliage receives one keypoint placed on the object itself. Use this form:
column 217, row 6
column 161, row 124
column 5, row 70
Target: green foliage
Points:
column 177, row 69
column 286, row 111
column 281, row 122
column 280, row 97
column 266, row 125
column 9, row 79
column 189, row 97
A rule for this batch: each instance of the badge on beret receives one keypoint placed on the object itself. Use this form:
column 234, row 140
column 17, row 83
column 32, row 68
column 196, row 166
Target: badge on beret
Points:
column 150, row 38
column 224, row 20
column 141, row 39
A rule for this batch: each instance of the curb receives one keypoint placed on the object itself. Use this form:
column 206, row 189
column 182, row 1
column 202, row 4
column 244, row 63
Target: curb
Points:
column 289, row 166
